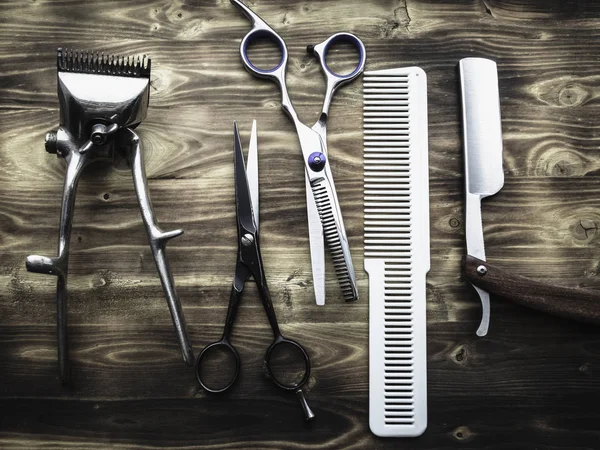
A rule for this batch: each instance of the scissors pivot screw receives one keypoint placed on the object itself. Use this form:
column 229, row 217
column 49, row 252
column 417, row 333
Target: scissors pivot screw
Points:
column 317, row 161
column 481, row 270
column 247, row 239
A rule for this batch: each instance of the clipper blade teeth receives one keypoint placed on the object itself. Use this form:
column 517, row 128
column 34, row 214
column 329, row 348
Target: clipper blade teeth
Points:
column 82, row 61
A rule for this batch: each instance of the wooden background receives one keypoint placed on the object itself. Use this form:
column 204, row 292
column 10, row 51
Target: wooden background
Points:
column 534, row 382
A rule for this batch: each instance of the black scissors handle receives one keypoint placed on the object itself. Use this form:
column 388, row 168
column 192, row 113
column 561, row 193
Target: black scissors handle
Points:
column 279, row 341
column 223, row 345
column 290, row 386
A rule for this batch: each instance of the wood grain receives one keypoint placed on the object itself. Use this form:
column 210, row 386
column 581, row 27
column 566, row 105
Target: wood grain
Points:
column 533, row 382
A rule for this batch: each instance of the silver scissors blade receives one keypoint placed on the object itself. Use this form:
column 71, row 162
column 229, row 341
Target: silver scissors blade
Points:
column 252, row 172
column 317, row 245
column 243, row 201
column 315, row 226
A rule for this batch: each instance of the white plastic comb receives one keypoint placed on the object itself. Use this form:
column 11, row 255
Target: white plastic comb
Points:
column 396, row 248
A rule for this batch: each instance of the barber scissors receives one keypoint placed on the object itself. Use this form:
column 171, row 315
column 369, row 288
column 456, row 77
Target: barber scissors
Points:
column 249, row 264
column 324, row 215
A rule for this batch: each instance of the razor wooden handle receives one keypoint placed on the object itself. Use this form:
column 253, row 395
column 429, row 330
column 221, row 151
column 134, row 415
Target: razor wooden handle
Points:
column 582, row 305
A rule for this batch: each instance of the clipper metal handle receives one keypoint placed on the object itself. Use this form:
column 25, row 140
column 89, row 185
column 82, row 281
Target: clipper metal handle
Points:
column 102, row 98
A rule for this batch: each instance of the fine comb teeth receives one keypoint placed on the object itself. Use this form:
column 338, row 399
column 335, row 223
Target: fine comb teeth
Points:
column 82, row 61
column 396, row 248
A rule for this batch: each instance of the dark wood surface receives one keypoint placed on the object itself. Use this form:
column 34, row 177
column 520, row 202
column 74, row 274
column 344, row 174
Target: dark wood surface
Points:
column 533, row 382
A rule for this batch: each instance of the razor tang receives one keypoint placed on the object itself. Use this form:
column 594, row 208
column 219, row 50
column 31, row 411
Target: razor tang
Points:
column 475, row 248
column 482, row 136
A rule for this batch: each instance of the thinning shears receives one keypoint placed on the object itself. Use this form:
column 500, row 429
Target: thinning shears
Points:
column 291, row 373
column 324, row 215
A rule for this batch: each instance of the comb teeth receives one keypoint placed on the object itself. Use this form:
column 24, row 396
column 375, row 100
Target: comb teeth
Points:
column 82, row 61
column 396, row 248
column 334, row 240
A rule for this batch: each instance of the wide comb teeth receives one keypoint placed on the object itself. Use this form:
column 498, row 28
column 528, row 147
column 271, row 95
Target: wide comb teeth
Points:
column 82, row 61
column 396, row 248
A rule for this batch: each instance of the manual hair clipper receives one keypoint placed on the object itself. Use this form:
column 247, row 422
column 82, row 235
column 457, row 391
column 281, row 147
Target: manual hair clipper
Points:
column 102, row 99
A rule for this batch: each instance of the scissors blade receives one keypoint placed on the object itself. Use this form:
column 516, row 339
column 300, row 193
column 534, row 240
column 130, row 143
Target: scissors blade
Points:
column 252, row 172
column 327, row 203
column 320, row 127
column 243, row 201
column 317, row 244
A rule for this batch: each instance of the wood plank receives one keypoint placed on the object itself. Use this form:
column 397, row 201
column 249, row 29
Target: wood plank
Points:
column 544, row 238
column 144, row 358
column 115, row 398
column 201, row 150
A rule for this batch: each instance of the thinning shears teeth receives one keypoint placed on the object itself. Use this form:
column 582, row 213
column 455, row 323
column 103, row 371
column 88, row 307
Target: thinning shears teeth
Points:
column 335, row 236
